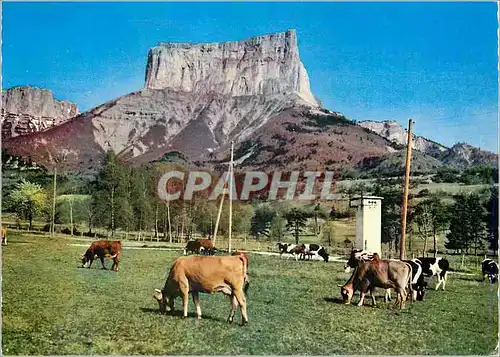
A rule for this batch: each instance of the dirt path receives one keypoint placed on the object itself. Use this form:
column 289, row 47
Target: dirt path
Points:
column 285, row 256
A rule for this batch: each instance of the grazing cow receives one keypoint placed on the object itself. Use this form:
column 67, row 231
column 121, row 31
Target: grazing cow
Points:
column 4, row 235
column 435, row 267
column 418, row 283
column 102, row 249
column 490, row 268
column 417, row 279
column 380, row 273
column 200, row 246
column 311, row 250
column 199, row 274
column 358, row 256
column 293, row 249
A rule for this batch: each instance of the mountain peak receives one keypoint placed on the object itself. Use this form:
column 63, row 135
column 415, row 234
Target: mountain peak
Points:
column 27, row 109
column 262, row 65
column 396, row 133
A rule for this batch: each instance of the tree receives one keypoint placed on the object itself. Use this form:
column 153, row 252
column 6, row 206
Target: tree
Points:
column 296, row 222
column 457, row 237
column 491, row 218
column 261, row 221
column 446, row 174
column 477, row 214
column 467, row 223
column 390, row 212
column 72, row 209
column 431, row 218
column 277, row 228
column 140, row 200
column 110, row 193
column 27, row 200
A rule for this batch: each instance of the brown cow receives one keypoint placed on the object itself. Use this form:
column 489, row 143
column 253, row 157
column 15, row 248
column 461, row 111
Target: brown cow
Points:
column 4, row 235
column 382, row 274
column 199, row 274
column 200, row 246
column 102, row 249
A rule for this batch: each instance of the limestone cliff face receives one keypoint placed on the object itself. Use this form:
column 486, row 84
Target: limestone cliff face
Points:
column 27, row 109
column 263, row 65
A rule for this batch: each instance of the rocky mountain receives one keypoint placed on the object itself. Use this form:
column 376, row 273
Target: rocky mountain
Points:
column 263, row 65
column 197, row 98
column 462, row 155
column 28, row 109
column 395, row 133
column 432, row 154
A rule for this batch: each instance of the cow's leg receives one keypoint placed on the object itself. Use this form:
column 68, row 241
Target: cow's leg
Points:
column 91, row 260
column 445, row 277
column 102, row 262
column 185, row 301
column 115, row 264
column 243, row 305
column 234, row 305
column 363, row 288
column 361, row 298
column 401, row 297
column 373, row 297
column 387, row 296
column 439, row 281
column 196, row 300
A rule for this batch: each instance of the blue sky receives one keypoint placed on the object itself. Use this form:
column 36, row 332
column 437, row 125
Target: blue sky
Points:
column 433, row 62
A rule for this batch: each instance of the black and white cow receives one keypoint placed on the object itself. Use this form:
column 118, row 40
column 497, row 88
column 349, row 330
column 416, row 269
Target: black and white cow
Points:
column 315, row 250
column 289, row 248
column 490, row 268
column 436, row 267
column 417, row 281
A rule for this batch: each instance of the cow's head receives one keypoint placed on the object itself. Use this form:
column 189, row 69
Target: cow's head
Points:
column 421, row 291
column 352, row 262
column 324, row 255
column 165, row 302
column 347, row 292
column 85, row 258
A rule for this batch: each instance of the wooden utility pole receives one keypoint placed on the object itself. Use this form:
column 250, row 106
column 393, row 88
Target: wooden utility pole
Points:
column 218, row 216
column 70, row 202
column 405, row 195
column 231, row 183
column 54, row 203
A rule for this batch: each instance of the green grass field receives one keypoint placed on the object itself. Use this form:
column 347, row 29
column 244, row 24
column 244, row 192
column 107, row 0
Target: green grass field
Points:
column 52, row 307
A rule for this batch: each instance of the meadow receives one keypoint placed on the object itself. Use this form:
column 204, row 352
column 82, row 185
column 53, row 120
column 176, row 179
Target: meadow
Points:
column 52, row 307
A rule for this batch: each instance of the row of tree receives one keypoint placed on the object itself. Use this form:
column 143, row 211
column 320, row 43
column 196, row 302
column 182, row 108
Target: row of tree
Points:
column 469, row 223
column 122, row 197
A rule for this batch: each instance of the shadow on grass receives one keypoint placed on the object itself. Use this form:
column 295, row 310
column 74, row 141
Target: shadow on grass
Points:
column 178, row 314
column 335, row 300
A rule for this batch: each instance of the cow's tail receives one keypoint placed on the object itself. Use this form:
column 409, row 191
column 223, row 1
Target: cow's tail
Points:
column 246, row 283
